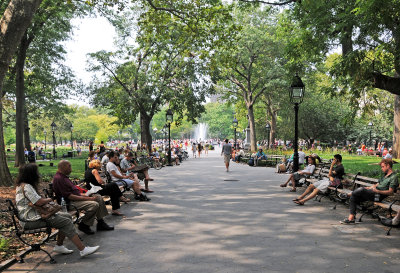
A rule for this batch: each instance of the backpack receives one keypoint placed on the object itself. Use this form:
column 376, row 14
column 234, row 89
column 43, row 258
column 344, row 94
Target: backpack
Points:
column 251, row 162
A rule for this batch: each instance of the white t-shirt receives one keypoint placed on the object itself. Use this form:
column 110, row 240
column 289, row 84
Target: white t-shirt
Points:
column 105, row 159
column 302, row 156
column 112, row 167
column 309, row 169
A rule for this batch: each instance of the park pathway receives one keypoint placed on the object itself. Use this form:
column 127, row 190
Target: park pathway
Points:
column 203, row 219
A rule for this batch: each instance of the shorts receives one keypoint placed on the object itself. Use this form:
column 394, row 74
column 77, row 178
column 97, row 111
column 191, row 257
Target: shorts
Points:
column 227, row 158
column 322, row 185
column 128, row 182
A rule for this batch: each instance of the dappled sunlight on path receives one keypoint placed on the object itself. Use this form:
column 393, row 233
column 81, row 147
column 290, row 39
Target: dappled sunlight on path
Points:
column 203, row 219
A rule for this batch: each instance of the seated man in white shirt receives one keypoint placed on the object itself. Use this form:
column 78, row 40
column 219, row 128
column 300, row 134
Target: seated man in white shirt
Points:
column 117, row 176
column 309, row 170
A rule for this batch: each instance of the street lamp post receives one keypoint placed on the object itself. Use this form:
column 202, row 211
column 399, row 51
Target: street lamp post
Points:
column 296, row 92
column 45, row 133
column 155, row 132
column 235, row 124
column 72, row 143
column 370, row 126
column 169, row 116
column 268, row 129
column 53, row 129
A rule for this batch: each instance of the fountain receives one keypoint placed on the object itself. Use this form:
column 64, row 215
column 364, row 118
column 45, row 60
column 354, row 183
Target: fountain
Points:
column 200, row 132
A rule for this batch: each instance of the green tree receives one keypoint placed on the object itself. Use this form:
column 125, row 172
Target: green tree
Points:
column 255, row 65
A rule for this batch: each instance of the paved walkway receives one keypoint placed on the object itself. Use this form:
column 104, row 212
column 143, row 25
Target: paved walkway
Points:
column 203, row 219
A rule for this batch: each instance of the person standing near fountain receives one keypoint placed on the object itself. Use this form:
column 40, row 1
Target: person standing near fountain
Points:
column 227, row 151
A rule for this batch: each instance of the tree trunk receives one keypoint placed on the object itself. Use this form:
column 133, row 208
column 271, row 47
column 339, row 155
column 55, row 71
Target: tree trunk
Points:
column 253, row 139
column 5, row 176
column 20, row 102
column 145, row 136
column 396, row 132
column 13, row 24
column 27, row 137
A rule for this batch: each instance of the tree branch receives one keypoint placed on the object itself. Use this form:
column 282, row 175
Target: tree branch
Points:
column 390, row 84
column 271, row 3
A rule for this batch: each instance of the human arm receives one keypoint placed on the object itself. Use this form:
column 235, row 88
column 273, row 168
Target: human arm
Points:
column 96, row 174
column 390, row 191
column 74, row 197
column 114, row 173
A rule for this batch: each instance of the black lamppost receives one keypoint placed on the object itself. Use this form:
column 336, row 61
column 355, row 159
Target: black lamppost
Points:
column 53, row 129
column 296, row 97
column 169, row 116
column 72, row 128
column 45, row 133
column 235, row 124
column 268, row 129
column 370, row 126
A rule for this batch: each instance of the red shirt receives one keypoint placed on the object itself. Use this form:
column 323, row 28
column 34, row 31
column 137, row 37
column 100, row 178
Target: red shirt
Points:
column 63, row 187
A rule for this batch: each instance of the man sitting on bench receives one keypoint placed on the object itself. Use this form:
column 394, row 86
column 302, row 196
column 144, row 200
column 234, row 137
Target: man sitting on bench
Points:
column 122, row 179
column 309, row 170
column 259, row 156
column 335, row 177
column 386, row 186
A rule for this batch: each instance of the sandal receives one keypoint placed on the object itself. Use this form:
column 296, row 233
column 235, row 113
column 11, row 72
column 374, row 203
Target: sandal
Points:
column 117, row 214
column 296, row 199
column 299, row 203
column 125, row 200
column 292, row 190
column 283, row 185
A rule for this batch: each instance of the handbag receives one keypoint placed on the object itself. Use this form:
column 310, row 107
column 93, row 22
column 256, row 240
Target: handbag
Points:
column 45, row 210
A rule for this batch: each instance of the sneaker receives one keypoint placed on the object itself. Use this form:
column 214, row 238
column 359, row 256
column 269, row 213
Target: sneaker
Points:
column 88, row 250
column 348, row 222
column 343, row 195
column 103, row 226
column 62, row 249
column 85, row 229
column 144, row 198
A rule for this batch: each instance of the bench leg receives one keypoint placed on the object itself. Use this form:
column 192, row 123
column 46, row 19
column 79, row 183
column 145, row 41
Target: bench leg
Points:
column 388, row 232
column 360, row 220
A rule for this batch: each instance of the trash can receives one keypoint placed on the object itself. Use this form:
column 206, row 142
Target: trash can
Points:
column 70, row 154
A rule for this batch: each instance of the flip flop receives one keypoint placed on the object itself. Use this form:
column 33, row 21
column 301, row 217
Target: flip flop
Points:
column 292, row 190
column 299, row 203
column 296, row 199
column 117, row 214
column 283, row 185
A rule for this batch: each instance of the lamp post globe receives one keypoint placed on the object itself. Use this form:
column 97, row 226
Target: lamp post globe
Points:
column 296, row 93
column 169, row 117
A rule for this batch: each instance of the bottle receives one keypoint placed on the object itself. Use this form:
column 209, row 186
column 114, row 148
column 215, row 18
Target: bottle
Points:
column 63, row 205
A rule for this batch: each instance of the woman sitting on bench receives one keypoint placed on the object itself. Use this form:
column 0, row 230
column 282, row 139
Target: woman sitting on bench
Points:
column 336, row 172
column 27, row 196
column 294, row 177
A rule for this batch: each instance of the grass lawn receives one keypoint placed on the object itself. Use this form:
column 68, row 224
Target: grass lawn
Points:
column 47, row 172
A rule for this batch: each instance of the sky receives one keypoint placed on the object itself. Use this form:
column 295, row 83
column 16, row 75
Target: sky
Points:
column 90, row 35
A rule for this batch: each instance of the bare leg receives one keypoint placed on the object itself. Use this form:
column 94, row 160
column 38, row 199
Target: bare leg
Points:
column 287, row 182
column 60, row 239
column 307, row 191
column 311, row 196
column 77, row 242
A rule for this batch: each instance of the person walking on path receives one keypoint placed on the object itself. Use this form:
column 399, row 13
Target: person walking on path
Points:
column 227, row 151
